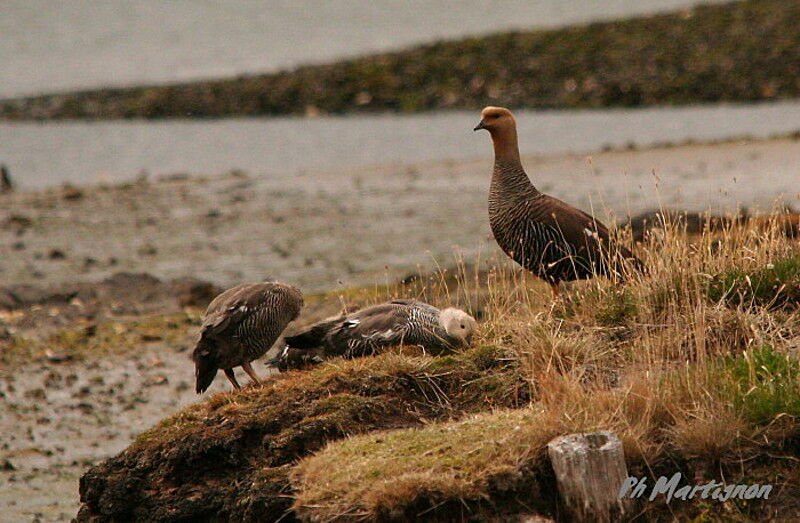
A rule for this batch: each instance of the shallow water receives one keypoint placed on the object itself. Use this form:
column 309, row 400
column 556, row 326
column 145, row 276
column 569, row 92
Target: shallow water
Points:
column 52, row 46
column 41, row 155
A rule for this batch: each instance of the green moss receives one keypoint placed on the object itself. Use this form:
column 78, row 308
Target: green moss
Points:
column 486, row 356
column 765, row 384
column 108, row 337
column 776, row 285
column 443, row 363
column 616, row 308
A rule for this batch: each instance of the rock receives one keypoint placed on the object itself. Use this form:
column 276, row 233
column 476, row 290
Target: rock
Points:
column 157, row 380
column 84, row 407
column 7, row 299
column 56, row 254
column 89, row 330
column 147, row 250
column 37, row 394
column 57, row 357
column 71, row 193
column 18, row 223
column 6, row 183
column 195, row 293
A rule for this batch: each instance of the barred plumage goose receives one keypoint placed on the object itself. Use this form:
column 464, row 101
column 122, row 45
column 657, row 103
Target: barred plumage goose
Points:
column 239, row 326
column 548, row 237
column 398, row 322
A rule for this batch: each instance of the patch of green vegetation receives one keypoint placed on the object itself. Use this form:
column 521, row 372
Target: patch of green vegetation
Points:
column 170, row 425
column 776, row 285
column 616, row 309
column 443, row 363
column 743, row 51
column 485, row 357
column 765, row 384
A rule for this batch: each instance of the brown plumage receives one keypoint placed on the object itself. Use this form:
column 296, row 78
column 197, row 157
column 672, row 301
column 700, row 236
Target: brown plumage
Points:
column 550, row 238
column 239, row 326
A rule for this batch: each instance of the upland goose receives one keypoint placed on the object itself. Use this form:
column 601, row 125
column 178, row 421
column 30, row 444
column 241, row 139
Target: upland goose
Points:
column 548, row 237
column 239, row 326
column 398, row 322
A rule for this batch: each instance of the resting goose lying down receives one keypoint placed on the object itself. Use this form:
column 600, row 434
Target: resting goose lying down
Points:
column 367, row 331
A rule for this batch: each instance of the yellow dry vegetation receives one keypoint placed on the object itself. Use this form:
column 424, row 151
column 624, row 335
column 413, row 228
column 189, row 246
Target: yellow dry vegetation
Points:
column 695, row 361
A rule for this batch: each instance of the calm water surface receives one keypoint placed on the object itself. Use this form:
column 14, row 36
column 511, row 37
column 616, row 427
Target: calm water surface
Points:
column 54, row 153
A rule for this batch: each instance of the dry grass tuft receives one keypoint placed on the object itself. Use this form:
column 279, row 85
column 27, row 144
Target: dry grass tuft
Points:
column 694, row 362
column 383, row 474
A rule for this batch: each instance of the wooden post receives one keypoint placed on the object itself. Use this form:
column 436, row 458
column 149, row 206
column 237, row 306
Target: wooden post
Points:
column 590, row 469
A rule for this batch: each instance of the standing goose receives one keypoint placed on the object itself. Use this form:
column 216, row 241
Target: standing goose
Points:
column 398, row 322
column 548, row 237
column 239, row 326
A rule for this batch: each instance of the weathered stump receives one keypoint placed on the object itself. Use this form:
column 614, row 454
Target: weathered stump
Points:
column 590, row 469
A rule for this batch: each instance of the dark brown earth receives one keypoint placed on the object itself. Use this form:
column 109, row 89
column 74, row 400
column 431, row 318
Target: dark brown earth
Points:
column 233, row 453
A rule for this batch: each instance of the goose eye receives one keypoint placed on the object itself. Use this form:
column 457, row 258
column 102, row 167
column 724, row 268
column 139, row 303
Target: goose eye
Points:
column 463, row 326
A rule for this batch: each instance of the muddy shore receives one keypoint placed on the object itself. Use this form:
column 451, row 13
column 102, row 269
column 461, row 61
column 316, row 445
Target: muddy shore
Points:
column 324, row 229
column 62, row 412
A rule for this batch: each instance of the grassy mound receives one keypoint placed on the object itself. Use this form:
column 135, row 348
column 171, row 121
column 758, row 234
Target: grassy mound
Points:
column 744, row 51
column 453, row 468
column 692, row 382
column 228, row 458
column 495, row 464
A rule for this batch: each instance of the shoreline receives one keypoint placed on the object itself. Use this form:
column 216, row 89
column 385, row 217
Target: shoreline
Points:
column 546, row 70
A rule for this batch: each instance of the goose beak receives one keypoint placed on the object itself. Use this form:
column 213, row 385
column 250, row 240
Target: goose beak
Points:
column 479, row 126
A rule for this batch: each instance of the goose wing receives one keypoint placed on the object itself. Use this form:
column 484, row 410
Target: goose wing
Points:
column 586, row 235
column 234, row 306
